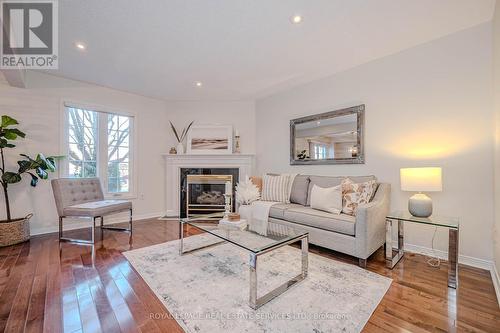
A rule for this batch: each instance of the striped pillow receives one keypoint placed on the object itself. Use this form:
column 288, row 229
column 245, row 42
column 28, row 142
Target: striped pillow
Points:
column 276, row 188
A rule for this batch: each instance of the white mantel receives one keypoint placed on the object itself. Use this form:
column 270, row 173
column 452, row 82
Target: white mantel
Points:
column 244, row 162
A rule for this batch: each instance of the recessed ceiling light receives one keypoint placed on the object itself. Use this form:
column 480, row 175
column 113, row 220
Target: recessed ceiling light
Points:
column 80, row 46
column 198, row 84
column 296, row 19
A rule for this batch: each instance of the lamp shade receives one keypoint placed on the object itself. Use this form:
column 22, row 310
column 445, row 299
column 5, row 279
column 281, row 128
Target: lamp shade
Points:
column 421, row 179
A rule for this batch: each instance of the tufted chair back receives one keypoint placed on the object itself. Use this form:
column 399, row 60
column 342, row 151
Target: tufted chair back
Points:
column 74, row 191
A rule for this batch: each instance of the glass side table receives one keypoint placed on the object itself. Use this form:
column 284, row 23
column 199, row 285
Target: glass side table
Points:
column 451, row 223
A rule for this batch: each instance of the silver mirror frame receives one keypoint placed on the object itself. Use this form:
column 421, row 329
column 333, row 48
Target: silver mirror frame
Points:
column 358, row 110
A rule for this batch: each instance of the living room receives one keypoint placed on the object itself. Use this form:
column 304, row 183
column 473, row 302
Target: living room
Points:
column 237, row 144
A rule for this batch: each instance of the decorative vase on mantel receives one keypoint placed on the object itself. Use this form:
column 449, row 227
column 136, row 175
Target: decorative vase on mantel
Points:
column 180, row 148
column 181, row 137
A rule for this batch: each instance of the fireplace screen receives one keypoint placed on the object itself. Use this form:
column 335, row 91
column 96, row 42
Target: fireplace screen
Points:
column 205, row 193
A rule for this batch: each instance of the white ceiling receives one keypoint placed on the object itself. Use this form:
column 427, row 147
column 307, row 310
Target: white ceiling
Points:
column 242, row 49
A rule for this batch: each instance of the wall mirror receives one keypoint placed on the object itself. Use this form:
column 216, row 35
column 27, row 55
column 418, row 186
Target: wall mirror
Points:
column 334, row 137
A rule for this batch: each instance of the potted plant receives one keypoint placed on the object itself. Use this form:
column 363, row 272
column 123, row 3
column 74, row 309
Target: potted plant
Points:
column 180, row 138
column 246, row 193
column 17, row 230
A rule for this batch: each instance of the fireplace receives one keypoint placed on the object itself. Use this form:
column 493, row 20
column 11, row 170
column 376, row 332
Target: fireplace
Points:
column 205, row 193
column 203, row 189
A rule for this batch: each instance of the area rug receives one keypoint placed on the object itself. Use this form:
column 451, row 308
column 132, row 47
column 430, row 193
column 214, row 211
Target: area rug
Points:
column 208, row 290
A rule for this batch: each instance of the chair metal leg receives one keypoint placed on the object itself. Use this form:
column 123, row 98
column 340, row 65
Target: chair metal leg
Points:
column 92, row 241
column 129, row 229
column 93, row 232
column 75, row 240
column 60, row 227
column 130, row 220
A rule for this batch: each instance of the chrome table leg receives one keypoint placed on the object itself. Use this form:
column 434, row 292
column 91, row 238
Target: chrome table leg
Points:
column 181, row 238
column 253, row 281
column 304, row 244
column 255, row 301
column 453, row 258
column 390, row 259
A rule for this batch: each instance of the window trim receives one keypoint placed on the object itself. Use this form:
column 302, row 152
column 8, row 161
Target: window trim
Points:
column 102, row 153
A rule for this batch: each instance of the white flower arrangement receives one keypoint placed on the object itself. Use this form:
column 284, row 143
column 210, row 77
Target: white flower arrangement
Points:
column 247, row 192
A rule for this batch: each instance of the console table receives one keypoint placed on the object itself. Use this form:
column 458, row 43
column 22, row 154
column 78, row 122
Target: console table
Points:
column 451, row 223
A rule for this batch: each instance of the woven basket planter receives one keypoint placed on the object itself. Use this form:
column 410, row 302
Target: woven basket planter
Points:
column 15, row 231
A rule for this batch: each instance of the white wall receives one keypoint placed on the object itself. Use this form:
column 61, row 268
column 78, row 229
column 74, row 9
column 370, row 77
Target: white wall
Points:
column 241, row 114
column 496, row 87
column 429, row 105
column 38, row 110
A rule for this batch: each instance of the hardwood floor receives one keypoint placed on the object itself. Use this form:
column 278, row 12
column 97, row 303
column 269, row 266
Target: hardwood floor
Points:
column 47, row 288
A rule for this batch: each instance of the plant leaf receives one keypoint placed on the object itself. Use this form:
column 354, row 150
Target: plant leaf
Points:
column 24, row 166
column 13, row 133
column 42, row 173
column 45, row 164
column 8, row 121
column 3, row 143
column 34, row 179
column 11, row 177
column 186, row 130
column 27, row 157
column 9, row 135
column 175, row 131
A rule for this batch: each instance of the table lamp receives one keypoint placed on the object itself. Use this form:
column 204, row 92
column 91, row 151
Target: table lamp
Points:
column 421, row 180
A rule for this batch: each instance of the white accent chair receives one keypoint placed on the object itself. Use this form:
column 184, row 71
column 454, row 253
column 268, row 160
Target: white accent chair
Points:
column 83, row 197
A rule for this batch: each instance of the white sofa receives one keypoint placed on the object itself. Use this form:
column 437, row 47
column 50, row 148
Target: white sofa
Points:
column 359, row 236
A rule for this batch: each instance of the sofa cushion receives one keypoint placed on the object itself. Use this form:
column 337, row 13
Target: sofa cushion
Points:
column 276, row 188
column 331, row 181
column 97, row 208
column 315, row 218
column 356, row 194
column 300, row 189
column 278, row 210
column 322, row 181
column 327, row 199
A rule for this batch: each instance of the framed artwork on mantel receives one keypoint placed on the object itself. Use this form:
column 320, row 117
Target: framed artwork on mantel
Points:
column 210, row 139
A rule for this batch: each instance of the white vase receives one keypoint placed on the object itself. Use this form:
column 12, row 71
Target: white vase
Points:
column 245, row 212
column 180, row 148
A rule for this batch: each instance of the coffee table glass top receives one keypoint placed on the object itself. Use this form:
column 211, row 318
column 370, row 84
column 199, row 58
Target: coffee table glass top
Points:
column 277, row 234
column 440, row 221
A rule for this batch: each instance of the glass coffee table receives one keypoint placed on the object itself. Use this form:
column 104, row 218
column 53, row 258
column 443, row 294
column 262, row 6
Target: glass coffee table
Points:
column 277, row 236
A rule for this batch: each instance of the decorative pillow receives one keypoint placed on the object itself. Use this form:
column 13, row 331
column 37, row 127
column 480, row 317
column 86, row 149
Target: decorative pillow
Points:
column 300, row 187
column 276, row 188
column 327, row 199
column 356, row 194
column 257, row 181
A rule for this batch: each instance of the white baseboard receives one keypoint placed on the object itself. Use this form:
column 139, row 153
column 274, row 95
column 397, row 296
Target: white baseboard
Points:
column 496, row 281
column 78, row 223
column 462, row 259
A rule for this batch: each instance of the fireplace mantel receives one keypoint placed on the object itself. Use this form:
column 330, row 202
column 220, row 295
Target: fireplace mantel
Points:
column 173, row 164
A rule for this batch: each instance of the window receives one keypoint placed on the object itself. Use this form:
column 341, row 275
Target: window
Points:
column 118, row 153
column 82, row 143
column 98, row 144
column 319, row 151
